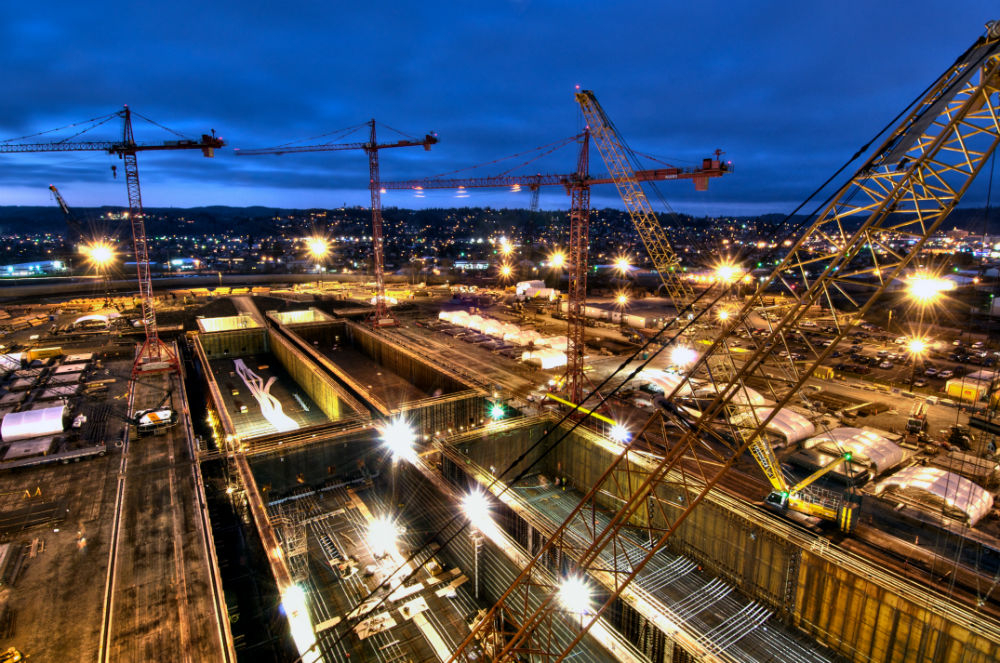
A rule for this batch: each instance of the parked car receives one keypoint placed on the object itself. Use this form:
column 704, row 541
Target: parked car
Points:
column 885, row 365
column 930, row 372
column 920, row 382
column 945, row 374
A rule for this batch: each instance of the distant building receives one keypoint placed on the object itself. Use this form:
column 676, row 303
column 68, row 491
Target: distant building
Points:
column 38, row 268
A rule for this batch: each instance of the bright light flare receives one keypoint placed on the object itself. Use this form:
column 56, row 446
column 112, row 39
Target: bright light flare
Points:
column 622, row 265
column 506, row 270
column 99, row 254
column 683, row 355
column 621, row 299
column 382, row 534
column 293, row 602
column 926, row 288
column 917, row 346
column 318, row 247
column 477, row 508
column 557, row 259
column 728, row 273
column 722, row 315
column 575, row 595
column 497, row 412
column 620, row 434
column 399, row 439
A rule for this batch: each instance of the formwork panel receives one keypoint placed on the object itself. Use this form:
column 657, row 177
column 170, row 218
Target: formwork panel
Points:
column 237, row 343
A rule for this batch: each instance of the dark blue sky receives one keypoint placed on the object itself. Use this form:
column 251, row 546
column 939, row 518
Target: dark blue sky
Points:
column 788, row 89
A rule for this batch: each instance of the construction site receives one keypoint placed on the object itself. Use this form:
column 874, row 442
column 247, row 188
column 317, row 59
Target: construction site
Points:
column 349, row 473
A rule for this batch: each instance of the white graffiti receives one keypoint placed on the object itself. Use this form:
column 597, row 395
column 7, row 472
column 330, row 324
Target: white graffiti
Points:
column 270, row 407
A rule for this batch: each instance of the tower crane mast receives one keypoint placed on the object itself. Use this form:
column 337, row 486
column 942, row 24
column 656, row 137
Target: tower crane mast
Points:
column 577, row 185
column 153, row 354
column 906, row 189
column 381, row 316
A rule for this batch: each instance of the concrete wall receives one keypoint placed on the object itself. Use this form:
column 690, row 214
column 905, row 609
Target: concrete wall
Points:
column 414, row 370
column 320, row 386
column 237, row 343
column 844, row 601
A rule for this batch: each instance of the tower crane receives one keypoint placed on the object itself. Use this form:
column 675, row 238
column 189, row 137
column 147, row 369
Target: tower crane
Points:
column 153, row 355
column 577, row 185
column 381, row 316
column 905, row 189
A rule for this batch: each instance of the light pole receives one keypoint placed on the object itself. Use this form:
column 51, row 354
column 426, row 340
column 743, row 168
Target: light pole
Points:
column 916, row 346
column 100, row 255
column 318, row 248
column 621, row 299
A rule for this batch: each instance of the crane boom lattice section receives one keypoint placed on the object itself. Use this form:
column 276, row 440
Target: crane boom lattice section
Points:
column 845, row 259
column 653, row 236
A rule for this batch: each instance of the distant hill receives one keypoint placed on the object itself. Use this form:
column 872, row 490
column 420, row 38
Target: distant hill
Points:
column 256, row 219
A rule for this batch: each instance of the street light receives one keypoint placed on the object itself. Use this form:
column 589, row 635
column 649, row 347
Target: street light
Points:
column 557, row 259
column 382, row 533
column 574, row 595
column 622, row 265
column 683, row 355
column 916, row 346
column 620, row 434
column 506, row 271
column 399, row 439
column 728, row 272
column 621, row 299
column 100, row 254
column 926, row 288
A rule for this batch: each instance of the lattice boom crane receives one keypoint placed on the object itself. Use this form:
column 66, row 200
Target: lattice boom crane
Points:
column 905, row 189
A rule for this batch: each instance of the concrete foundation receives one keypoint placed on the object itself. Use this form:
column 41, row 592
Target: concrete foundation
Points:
column 861, row 611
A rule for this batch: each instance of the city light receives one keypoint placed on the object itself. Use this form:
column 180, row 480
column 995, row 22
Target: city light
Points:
column 620, row 434
column 574, row 595
column 399, row 439
column 683, row 355
column 497, row 412
column 621, row 298
column 506, row 270
column 99, row 254
column 382, row 533
column 926, row 288
column 557, row 259
column 622, row 265
column 722, row 315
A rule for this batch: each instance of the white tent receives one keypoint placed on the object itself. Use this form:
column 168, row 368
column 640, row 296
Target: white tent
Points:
column 955, row 495
column 33, row 423
column 493, row 327
column 460, row 318
column 743, row 395
column 523, row 337
column 866, row 447
column 555, row 342
column 786, row 423
column 476, row 322
column 546, row 357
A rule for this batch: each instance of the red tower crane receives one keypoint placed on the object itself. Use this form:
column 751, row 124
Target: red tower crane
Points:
column 577, row 185
column 381, row 317
column 154, row 354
